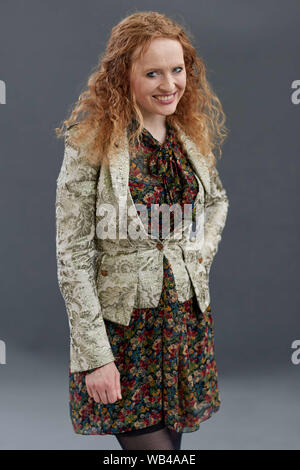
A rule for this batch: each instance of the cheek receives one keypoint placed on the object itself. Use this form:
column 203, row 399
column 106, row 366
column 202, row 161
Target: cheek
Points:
column 182, row 82
column 141, row 89
column 145, row 93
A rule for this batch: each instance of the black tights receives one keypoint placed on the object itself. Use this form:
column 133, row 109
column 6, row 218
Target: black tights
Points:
column 153, row 437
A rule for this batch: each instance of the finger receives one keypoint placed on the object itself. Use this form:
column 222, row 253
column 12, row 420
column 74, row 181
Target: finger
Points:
column 97, row 396
column 93, row 392
column 102, row 396
column 111, row 394
column 118, row 386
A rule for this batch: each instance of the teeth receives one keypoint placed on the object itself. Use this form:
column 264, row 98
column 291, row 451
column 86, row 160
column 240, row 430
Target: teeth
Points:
column 164, row 98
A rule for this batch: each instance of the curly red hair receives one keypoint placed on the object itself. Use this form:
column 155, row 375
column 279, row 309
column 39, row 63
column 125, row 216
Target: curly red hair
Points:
column 105, row 109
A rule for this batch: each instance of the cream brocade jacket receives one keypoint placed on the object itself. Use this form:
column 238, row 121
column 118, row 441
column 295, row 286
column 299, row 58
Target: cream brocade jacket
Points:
column 104, row 275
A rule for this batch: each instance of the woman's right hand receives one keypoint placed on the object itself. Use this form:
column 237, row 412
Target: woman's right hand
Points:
column 103, row 384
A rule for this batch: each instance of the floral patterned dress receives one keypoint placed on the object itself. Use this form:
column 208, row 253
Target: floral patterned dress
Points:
column 165, row 356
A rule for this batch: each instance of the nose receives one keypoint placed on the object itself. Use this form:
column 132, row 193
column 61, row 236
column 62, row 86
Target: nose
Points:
column 167, row 84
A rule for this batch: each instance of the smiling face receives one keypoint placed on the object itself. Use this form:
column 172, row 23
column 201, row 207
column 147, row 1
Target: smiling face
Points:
column 158, row 79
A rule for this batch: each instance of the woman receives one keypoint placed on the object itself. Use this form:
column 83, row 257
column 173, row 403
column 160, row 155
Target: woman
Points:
column 142, row 334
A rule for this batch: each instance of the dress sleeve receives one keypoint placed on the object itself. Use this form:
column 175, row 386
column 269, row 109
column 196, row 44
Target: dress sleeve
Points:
column 216, row 209
column 77, row 259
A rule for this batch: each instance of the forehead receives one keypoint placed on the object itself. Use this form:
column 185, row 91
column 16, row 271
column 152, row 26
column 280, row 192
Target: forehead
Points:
column 158, row 53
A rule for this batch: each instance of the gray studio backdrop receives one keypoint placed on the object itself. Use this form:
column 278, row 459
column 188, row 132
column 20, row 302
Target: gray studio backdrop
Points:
column 251, row 48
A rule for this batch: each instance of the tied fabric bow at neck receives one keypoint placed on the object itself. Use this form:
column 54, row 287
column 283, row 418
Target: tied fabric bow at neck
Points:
column 163, row 163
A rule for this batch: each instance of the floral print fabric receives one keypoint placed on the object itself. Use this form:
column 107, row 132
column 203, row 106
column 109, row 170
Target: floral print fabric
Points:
column 165, row 356
column 160, row 174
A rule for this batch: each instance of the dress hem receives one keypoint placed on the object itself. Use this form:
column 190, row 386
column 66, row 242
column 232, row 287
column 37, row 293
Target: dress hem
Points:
column 195, row 428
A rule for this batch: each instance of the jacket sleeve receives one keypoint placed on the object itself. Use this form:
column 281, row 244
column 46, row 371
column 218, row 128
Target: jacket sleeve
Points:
column 77, row 259
column 216, row 208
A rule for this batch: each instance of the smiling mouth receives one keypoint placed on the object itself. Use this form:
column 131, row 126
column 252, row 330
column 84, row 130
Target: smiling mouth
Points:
column 165, row 97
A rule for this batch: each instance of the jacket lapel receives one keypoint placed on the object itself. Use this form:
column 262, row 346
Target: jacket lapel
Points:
column 196, row 158
column 119, row 170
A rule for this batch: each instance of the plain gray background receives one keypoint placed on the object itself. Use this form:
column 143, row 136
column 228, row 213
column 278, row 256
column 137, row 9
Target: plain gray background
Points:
column 251, row 49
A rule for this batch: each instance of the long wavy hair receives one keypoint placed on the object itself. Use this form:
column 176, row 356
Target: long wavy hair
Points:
column 106, row 108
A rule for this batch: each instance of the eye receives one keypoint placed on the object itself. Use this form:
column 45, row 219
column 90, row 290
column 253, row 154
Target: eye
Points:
column 151, row 76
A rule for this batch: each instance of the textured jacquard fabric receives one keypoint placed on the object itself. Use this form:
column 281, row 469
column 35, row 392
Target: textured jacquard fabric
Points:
column 76, row 259
column 107, row 277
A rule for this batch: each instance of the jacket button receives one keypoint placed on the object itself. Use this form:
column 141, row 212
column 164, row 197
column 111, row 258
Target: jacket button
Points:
column 103, row 272
column 159, row 246
column 200, row 260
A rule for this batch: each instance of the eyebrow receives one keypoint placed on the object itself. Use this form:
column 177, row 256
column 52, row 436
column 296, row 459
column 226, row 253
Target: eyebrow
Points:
column 157, row 68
